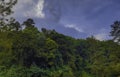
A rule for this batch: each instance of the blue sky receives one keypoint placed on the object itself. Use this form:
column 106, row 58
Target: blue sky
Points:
column 76, row 18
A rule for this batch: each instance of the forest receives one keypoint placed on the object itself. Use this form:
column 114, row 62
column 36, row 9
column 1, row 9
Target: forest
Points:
column 26, row 51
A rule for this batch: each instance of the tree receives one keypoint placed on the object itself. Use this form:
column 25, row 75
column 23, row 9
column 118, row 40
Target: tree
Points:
column 115, row 32
column 6, row 7
column 5, row 24
column 29, row 23
column 5, row 10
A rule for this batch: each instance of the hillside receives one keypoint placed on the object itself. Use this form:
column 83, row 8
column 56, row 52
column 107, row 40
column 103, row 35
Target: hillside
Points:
column 27, row 52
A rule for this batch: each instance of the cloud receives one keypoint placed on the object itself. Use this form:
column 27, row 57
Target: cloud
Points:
column 74, row 27
column 77, row 16
column 29, row 8
column 37, row 10
column 101, row 36
column 52, row 10
column 21, row 5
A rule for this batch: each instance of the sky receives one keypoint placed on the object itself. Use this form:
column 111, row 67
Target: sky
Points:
column 75, row 18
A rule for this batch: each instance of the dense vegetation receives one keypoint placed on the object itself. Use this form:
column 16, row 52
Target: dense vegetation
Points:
column 27, row 52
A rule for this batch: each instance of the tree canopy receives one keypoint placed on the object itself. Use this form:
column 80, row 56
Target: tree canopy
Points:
column 27, row 52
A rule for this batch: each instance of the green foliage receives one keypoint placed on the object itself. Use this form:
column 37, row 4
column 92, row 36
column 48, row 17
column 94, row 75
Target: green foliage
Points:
column 30, row 53
column 27, row 52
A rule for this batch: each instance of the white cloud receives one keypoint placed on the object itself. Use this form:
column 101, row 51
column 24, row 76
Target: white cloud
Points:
column 29, row 8
column 101, row 36
column 21, row 4
column 37, row 10
column 74, row 27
